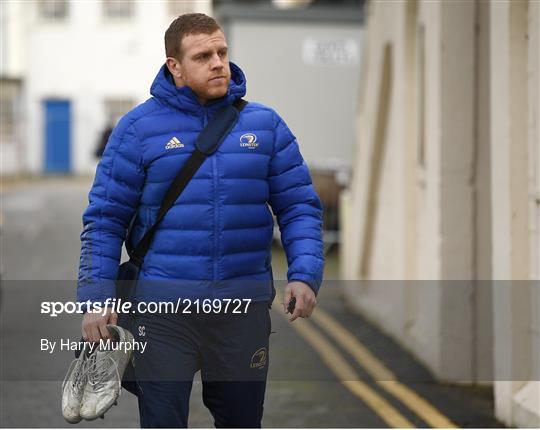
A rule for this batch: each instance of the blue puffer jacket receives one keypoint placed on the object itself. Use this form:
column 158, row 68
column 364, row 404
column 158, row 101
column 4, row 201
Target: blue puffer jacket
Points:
column 215, row 241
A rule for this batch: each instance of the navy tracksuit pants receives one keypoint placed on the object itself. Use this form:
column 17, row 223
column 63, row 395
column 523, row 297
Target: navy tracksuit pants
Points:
column 230, row 350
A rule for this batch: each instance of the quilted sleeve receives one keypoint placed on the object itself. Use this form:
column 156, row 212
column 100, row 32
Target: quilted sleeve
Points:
column 297, row 208
column 113, row 199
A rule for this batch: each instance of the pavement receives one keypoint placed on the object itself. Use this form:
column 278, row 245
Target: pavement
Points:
column 332, row 370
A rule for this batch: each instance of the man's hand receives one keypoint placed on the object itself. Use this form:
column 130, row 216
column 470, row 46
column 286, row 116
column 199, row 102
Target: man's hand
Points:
column 305, row 299
column 94, row 325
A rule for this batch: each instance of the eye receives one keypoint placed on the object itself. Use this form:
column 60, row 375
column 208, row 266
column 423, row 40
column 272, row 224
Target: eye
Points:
column 202, row 57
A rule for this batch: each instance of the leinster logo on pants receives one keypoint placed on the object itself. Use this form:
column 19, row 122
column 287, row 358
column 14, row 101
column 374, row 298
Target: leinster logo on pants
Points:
column 258, row 359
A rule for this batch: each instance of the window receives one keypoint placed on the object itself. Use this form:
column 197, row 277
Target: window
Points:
column 7, row 120
column 116, row 108
column 9, row 93
column 53, row 9
column 180, row 7
column 118, row 8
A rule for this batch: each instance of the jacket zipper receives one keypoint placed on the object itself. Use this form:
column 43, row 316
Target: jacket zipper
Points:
column 216, row 217
column 216, row 211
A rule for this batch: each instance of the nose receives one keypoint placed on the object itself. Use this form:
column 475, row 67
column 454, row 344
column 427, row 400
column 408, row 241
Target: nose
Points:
column 217, row 62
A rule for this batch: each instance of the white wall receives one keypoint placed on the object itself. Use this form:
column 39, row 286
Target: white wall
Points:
column 13, row 16
column 13, row 40
column 468, row 89
column 317, row 99
column 515, row 141
column 411, row 219
column 87, row 58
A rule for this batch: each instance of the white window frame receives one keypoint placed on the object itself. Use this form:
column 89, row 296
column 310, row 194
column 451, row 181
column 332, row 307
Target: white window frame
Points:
column 53, row 10
column 118, row 9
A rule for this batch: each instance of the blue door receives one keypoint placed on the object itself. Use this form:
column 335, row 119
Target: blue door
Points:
column 57, row 136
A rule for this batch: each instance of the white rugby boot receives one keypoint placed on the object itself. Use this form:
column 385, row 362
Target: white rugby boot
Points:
column 73, row 387
column 105, row 369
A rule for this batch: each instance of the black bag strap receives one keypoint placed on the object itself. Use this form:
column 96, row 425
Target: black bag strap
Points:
column 206, row 144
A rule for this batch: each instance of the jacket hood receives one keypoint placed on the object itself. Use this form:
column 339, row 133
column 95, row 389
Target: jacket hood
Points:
column 164, row 89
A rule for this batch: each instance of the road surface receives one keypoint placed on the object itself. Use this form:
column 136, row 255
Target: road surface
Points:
column 333, row 370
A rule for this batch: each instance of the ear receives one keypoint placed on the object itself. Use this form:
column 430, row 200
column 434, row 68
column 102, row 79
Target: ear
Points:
column 174, row 67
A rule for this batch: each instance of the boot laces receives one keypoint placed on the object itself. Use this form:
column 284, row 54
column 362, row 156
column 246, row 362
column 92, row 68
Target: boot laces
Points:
column 99, row 370
column 79, row 375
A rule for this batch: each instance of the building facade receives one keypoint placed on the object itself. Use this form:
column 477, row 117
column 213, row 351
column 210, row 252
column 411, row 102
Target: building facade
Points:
column 69, row 69
column 443, row 210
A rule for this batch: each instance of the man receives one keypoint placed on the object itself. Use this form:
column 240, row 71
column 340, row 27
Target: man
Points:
column 219, row 230
column 103, row 139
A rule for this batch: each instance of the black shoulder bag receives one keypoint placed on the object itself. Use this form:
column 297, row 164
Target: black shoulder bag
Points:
column 207, row 143
column 128, row 273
